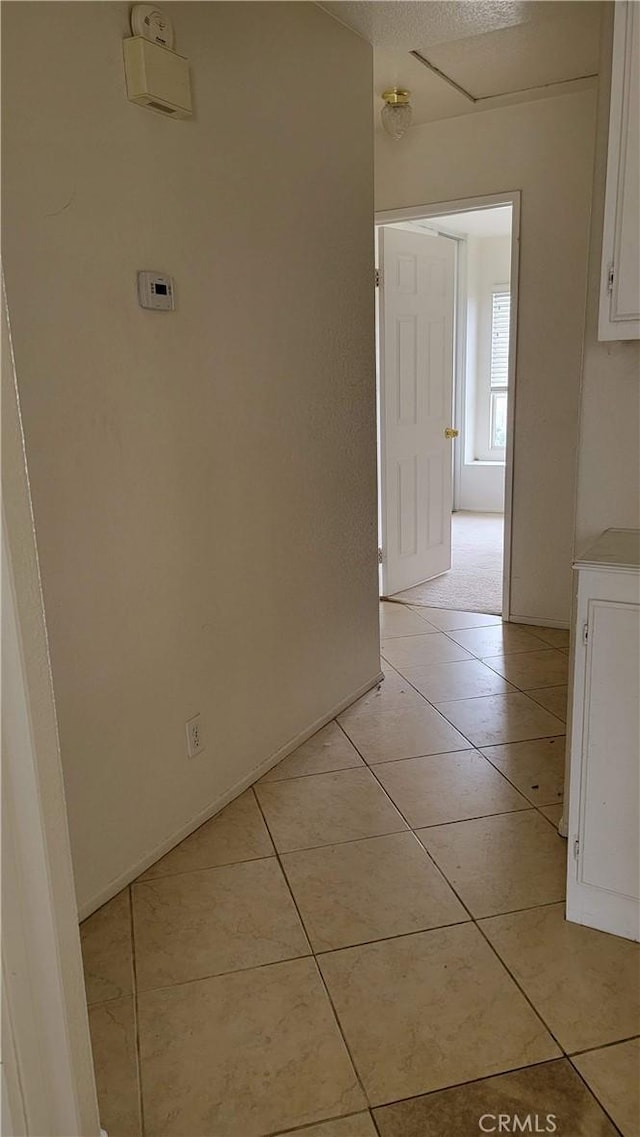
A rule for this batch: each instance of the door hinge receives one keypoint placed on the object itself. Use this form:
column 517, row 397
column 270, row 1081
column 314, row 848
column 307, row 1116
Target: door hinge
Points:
column 380, row 557
column 610, row 278
column 576, row 848
column 585, row 633
column 377, row 278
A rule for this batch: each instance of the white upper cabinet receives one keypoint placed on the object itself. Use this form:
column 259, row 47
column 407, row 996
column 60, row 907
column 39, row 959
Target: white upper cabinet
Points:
column 620, row 280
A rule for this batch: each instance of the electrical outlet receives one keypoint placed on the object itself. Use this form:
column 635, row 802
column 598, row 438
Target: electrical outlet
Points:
column 195, row 739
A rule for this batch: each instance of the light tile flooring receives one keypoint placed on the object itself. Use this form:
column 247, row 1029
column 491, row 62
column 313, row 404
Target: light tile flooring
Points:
column 371, row 940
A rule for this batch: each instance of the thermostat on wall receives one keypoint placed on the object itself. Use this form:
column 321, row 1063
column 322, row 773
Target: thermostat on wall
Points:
column 155, row 290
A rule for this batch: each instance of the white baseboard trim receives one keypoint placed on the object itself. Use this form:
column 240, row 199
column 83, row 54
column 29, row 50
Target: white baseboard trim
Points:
column 150, row 858
column 540, row 621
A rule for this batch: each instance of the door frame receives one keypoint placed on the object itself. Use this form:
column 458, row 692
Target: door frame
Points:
column 465, row 205
column 48, row 1074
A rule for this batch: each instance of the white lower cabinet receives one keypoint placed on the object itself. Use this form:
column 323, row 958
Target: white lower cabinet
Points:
column 603, row 878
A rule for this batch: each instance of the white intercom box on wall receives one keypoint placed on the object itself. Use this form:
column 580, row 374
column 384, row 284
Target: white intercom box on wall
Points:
column 157, row 77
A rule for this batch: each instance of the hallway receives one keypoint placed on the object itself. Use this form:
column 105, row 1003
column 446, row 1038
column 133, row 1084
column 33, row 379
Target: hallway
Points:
column 371, row 939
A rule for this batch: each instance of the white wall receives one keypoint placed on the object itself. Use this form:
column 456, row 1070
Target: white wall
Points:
column 481, row 482
column 608, row 493
column 204, row 481
column 545, row 150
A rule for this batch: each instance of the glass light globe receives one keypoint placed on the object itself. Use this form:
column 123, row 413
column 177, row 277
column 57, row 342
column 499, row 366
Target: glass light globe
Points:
column 396, row 119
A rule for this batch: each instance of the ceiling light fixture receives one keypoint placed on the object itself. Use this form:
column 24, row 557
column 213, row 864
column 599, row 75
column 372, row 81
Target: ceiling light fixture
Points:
column 396, row 112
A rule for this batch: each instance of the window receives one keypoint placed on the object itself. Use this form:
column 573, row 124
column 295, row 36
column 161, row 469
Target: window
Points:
column 500, row 315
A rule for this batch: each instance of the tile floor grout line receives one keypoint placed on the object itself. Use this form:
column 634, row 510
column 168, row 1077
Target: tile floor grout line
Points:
column 553, row 824
column 496, row 694
column 434, row 927
column 313, row 954
column 470, row 1082
column 474, row 658
column 374, row 1121
column 508, row 779
column 453, row 640
column 393, row 936
column 226, row 974
column 501, row 1074
column 438, row 754
column 366, row 765
column 429, row 704
column 414, row 831
column 603, row 1046
column 136, row 1015
column 515, row 690
column 496, row 621
column 358, row 943
column 354, row 1065
column 476, row 923
column 556, row 733
column 318, row 969
column 437, row 867
column 412, row 685
column 518, row 985
column 111, row 999
column 343, row 731
column 476, row 745
column 594, row 1095
column 434, row 863
column 302, row 1129
column 348, row 841
column 142, row 879
column 200, row 868
column 312, row 773
column 528, row 808
column 475, row 750
column 369, row 765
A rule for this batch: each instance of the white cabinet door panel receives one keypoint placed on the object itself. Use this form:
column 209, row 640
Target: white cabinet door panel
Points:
column 609, row 855
column 620, row 279
column 603, row 878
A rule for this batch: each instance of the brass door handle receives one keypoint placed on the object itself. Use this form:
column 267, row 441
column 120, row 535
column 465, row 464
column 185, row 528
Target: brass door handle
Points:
column 451, row 432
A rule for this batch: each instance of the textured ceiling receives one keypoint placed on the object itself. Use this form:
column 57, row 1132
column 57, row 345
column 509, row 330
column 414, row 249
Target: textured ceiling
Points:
column 407, row 25
column 478, row 50
column 562, row 44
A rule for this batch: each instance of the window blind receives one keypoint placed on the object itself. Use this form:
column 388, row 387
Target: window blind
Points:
column 500, row 314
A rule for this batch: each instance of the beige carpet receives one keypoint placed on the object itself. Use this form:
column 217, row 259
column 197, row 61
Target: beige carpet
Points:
column 474, row 582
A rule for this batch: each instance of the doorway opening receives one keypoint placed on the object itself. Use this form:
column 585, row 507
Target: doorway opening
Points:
column 446, row 328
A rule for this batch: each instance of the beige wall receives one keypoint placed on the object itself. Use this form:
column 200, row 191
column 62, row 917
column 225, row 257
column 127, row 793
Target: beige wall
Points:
column 545, row 150
column 204, row 481
column 609, row 454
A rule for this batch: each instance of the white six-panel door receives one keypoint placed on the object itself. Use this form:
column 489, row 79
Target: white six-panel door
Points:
column 416, row 328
